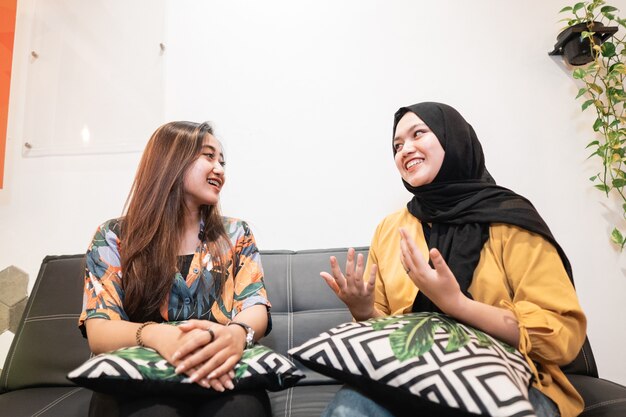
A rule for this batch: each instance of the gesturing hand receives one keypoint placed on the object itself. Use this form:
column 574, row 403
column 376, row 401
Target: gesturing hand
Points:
column 438, row 284
column 350, row 288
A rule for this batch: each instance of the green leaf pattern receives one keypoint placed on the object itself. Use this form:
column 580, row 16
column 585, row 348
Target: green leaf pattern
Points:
column 142, row 363
column 414, row 334
column 150, row 364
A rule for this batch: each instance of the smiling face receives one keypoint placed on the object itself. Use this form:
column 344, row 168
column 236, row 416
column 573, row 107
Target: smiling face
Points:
column 419, row 154
column 205, row 176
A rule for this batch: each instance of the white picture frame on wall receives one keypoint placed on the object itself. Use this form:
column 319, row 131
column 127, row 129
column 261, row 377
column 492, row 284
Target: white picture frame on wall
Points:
column 111, row 64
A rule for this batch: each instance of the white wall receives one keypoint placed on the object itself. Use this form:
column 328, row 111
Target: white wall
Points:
column 303, row 93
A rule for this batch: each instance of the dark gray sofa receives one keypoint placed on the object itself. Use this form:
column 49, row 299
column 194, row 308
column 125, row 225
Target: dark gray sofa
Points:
column 48, row 345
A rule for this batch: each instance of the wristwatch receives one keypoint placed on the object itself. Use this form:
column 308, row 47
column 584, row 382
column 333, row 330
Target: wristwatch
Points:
column 249, row 333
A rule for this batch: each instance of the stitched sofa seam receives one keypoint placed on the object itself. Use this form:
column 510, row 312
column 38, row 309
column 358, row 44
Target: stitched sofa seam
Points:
column 322, row 311
column 289, row 305
column 52, row 317
column 33, row 295
column 28, row 320
column 289, row 401
column 587, row 367
column 603, row 403
column 55, row 402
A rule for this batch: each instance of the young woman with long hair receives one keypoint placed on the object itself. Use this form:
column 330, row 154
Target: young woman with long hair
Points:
column 173, row 257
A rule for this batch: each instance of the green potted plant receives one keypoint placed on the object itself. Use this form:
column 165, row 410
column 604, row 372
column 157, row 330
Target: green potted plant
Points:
column 602, row 90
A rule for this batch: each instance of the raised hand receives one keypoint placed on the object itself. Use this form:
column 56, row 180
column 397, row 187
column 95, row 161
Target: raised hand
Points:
column 350, row 288
column 438, row 284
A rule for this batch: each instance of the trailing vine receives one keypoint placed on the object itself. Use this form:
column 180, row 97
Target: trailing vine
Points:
column 603, row 91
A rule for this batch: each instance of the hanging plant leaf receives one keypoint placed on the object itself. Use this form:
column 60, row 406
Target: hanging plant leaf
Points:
column 587, row 104
column 596, row 126
column 608, row 9
column 586, row 34
column 619, row 182
column 617, row 237
column 597, row 152
column 596, row 88
column 608, row 49
column 619, row 68
column 579, row 73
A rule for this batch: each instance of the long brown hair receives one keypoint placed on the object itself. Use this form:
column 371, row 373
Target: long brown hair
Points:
column 152, row 227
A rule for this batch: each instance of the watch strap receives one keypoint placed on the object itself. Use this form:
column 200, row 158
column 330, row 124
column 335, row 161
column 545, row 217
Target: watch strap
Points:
column 249, row 333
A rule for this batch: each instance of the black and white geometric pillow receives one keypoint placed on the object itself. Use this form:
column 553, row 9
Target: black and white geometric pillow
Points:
column 140, row 370
column 424, row 361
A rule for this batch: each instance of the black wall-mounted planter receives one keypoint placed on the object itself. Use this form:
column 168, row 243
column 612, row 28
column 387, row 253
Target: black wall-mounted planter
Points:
column 575, row 50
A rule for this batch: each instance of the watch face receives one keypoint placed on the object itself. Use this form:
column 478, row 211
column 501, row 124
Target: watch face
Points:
column 250, row 337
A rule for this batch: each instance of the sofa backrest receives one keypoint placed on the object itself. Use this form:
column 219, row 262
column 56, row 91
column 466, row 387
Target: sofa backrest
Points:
column 47, row 344
column 302, row 303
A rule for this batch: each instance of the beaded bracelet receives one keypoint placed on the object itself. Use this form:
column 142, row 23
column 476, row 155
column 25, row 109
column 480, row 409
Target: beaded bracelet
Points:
column 138, row 338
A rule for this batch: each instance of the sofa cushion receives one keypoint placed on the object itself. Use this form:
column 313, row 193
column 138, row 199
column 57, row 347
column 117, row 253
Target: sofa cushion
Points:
column 602, row 398
column 427, row 360
column 46, row 402
column 302, row 401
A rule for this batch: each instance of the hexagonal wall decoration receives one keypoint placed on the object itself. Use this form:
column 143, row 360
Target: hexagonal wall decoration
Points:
column 13, row 297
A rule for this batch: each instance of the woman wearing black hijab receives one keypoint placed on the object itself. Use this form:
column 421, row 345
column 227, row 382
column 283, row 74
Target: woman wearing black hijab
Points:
column 494, row 263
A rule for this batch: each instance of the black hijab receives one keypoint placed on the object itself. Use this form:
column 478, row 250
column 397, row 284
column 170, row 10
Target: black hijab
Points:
column 463, row 199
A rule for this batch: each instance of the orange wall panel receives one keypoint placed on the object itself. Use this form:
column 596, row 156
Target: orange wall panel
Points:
column 7, row 33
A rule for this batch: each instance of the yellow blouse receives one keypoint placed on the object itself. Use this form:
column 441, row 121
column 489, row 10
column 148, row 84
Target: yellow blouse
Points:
column 518, row 270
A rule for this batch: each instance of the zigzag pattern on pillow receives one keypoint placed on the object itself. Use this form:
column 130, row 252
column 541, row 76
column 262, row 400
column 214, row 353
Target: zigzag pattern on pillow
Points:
column 143, row 370
column 429, row 356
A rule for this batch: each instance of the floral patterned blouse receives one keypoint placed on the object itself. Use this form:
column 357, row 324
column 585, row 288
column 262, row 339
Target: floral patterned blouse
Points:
column 193, row 296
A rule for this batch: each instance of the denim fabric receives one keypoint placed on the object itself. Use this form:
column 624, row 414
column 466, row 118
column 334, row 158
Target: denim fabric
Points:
column 349, row 402
column 544, row 406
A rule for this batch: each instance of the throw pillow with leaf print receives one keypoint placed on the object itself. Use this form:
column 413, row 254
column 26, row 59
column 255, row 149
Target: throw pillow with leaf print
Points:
column 141, row 370
column 425, row 361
